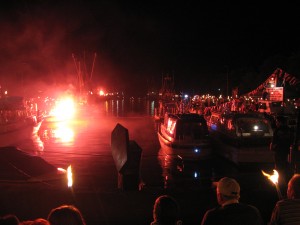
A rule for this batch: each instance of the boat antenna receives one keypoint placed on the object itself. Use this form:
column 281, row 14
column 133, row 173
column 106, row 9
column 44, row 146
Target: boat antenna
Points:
column 92, row 71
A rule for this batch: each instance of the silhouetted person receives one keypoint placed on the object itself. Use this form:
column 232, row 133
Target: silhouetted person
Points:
column 166, row 211
column 281, row 143
column 38, row 221
column 66, row 215
column 9, row 219
column 287, row 211
column 230, row 211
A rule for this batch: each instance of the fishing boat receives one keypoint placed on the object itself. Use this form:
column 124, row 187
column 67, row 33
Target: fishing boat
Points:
column 18, row 121
column 168, row 100
column 185, row 135
column 242, row 137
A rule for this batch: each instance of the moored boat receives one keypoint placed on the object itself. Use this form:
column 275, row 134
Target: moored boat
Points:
column 185, row 135
column 242, row 137
column 17, row 122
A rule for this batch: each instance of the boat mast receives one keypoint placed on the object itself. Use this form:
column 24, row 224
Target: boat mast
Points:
column 83, row 79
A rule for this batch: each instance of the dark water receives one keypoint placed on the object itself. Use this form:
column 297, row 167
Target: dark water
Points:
column 85, row 144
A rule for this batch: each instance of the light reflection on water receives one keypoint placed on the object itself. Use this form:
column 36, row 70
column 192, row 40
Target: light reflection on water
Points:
column 128, row 107
column 89, row 144
column 89, row 154
column 87, row 137
column 65, row 131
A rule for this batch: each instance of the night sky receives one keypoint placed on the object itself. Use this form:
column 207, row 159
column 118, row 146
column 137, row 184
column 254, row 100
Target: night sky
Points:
column 136, row 42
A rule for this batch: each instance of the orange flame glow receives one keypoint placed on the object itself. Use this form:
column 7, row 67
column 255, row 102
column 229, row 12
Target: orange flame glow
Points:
column 70, row 176
column 273, row 178
column 64, row 133
column 68, row 173
column 64, row 109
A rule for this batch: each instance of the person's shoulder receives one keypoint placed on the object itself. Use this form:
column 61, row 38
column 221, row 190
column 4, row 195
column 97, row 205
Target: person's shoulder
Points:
column 249, row 207
column 288, row 201
column 212, row 211
column 209, row 216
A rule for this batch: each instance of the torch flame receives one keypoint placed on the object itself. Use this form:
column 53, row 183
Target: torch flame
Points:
column 273, row 178
column 69, row 176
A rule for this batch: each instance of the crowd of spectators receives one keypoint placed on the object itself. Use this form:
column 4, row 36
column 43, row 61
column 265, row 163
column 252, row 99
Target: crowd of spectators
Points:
column 61, row 215
column 167, row 211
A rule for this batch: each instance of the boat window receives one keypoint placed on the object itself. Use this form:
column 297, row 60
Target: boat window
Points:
column 195, row 130
column 230, row 125
column 262, row 106
column 252, row 124
column 276, row 104
column 171, row 125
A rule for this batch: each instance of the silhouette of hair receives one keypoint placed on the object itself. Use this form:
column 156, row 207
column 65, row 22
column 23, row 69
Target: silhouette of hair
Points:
column 166, row 210
column 40, row 221
column 9, row 219
column 66, row 214
column 294, row 185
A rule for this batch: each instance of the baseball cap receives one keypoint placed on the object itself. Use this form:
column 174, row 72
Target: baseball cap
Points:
column 228, row 187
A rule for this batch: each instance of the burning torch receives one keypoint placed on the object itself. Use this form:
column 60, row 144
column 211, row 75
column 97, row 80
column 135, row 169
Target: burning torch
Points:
column 274, row 178
column 69, row 175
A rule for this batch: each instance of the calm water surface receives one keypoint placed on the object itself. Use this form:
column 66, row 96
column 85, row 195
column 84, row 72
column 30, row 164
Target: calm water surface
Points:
column 89, row 148
column 85, row 144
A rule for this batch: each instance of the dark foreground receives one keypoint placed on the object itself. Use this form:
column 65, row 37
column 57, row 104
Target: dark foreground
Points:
column 124, row 207
column 96, row 193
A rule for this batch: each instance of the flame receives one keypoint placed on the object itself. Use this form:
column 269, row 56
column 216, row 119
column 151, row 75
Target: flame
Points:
column 70, row 176
column 61, row 170
column 273, row 178
column 64, row 109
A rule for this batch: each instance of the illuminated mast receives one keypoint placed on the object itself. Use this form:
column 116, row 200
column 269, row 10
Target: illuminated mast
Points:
column 83, row 78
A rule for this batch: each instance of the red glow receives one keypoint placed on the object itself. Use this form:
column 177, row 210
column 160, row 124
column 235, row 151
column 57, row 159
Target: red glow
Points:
column 64, row 133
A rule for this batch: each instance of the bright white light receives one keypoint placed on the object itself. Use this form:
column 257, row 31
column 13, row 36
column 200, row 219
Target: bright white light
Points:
column 64, row 133
column 196, row 150
column 101, row 93
column 64, row 109
column 70, row 176
column 272, row 177
column 195, row 174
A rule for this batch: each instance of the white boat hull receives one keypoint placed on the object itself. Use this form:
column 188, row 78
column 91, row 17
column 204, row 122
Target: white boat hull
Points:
column 242, row 154
column 187, row 150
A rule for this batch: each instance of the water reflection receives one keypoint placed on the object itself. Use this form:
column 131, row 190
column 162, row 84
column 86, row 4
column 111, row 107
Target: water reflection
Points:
column 189, row 174
column 128, row 107
column 61, row 132
column 34, row 144
column 92, row 127
column 64, row 133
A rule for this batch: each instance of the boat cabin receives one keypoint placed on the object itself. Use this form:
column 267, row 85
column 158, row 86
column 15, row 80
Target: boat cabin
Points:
column 185, row 126
column 242, row 128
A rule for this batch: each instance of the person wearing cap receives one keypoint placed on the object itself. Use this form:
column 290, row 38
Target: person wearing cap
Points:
column 287, row 211
column 230, row 211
